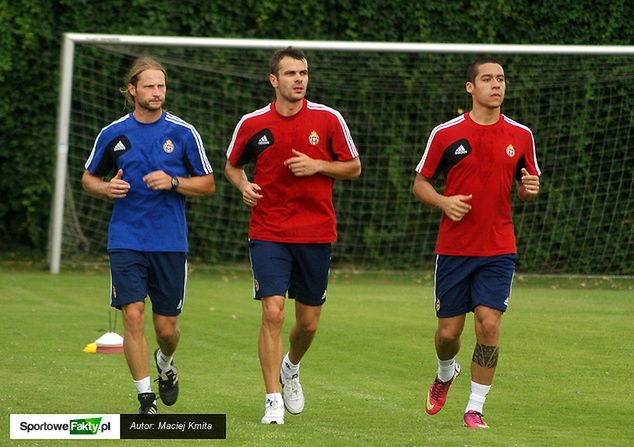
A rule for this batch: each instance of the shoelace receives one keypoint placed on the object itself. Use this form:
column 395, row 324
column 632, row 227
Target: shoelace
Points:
column 170, row 377
column 438, row 388
column 271, row 405
column 294, row 386
column 477, row 416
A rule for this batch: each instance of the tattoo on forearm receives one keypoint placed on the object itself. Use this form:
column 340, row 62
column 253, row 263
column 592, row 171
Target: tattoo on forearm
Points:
column 486, row 356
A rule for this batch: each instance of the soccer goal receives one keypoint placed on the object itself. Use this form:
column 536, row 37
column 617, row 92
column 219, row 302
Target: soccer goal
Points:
column 578, row 100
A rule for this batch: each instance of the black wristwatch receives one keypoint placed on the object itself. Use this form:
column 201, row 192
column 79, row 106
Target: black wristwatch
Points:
column 175, row 183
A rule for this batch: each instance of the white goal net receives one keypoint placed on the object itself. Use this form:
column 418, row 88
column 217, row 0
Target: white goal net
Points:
column 578, row 102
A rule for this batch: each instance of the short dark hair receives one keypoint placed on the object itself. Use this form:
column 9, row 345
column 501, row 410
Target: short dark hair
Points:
column 292, row 52
column 472, row 70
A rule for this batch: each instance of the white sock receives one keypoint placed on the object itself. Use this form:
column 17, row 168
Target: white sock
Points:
column 143, row 386
column 477, row 397
column 446, row 369
column 289, row 367
column 164, row 362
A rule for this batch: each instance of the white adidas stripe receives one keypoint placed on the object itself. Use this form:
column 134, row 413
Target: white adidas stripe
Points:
column 450, row 123
column 94, row 147
column 521, row 126
column 182, row 303
column 344, row 127
column 258, row 112
column 199, row 141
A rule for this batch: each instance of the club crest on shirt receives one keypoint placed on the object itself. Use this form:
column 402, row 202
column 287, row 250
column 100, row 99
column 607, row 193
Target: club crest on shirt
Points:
column 313, row 138
column 510, row 150
column 168, row 146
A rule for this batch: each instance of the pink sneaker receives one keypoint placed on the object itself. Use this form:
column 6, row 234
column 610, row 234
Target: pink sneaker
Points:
column 473, row 419
column 437, row 393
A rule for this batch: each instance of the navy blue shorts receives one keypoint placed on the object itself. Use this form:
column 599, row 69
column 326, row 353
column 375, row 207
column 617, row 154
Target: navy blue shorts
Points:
column 300, row 269
column 160, row 275
column 464, row 282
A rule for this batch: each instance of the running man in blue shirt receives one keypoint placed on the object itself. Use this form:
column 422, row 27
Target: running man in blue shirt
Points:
column 157, row 160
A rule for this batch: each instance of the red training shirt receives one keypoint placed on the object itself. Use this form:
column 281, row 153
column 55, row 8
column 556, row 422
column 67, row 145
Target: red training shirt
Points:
column 482, row 161
column 292, row 209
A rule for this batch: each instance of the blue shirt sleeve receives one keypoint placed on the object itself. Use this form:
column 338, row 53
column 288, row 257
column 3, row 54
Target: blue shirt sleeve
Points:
column 100, row 161
column 197, row 162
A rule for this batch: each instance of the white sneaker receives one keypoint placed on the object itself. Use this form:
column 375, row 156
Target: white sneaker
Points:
column 273, row 411
column 292, row 392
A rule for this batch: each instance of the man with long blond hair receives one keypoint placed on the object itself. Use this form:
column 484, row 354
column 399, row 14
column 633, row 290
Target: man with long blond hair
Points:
column 158, row 160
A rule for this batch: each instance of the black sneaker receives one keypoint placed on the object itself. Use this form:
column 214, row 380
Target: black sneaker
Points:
column 168, row 383
column 148, row 403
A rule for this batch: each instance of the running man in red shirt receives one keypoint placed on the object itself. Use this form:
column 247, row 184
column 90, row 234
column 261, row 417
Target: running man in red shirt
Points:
column 298, row 149
column 480, row 154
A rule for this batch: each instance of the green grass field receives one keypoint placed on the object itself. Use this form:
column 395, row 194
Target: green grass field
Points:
column 564, row 376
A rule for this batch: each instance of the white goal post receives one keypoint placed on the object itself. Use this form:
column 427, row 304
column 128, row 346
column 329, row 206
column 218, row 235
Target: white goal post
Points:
column 70, row 40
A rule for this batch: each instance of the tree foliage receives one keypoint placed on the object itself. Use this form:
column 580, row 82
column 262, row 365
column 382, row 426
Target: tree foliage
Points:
column 31, row 35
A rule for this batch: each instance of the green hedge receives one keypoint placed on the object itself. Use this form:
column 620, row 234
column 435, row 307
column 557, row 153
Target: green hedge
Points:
column 31, row 33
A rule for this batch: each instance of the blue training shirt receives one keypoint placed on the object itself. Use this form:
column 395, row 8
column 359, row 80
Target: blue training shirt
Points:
column 147, row 220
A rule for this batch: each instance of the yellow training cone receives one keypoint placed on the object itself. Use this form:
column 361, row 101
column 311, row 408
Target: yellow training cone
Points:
column 91, row 347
